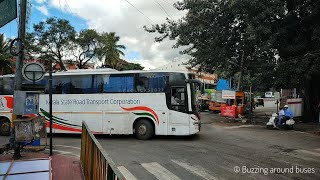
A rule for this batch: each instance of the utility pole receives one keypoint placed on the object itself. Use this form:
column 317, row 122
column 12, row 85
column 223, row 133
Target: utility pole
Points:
column 50, row 105
column 241, row 72
column 19, row 64
column 21, row 37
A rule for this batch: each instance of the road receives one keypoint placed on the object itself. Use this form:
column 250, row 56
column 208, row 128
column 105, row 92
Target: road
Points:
column 215, row 153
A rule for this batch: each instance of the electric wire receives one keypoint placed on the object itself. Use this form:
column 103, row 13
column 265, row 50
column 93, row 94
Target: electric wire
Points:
column 140, row 11
column 68, row 6
column 162, row 8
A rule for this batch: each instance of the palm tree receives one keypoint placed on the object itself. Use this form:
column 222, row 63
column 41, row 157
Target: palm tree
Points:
column 5, row 62
column 109, row 50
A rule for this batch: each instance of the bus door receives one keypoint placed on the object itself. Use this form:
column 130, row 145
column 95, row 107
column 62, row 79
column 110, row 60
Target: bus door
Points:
column 178, row 116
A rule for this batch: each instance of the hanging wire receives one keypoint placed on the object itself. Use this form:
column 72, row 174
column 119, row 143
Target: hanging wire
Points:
column 140, row 11
column 162, row 8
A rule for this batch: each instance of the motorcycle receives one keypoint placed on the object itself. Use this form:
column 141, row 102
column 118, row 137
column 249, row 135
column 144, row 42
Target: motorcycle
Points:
column 273, row 121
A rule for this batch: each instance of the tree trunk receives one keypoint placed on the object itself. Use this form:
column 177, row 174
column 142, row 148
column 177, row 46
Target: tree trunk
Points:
column 241, row 72
column 307, row 102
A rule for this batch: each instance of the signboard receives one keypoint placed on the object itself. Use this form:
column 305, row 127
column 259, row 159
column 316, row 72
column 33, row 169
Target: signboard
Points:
column 33, row 72
column 229, row 111
column 227, row 94
column 8, row 11
column 26, row 102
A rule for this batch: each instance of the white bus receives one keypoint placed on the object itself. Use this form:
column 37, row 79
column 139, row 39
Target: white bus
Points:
column 114, row 102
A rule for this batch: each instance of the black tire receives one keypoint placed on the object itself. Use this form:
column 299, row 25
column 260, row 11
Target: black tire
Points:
column 144, row 129
column 291, row 127
column 4, row 127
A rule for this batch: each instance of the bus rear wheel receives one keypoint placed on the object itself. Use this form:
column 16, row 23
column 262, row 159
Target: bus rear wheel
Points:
column 4, row 127
column 143, row 129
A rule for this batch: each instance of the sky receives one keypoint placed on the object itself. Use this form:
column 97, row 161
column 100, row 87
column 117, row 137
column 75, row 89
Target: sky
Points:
column 125, row 17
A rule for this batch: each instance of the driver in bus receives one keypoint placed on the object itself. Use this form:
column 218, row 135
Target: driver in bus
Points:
column 174, row 99
column 140, row 87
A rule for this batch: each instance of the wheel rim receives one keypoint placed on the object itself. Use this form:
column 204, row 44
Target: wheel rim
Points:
column 5, row 127
column 142, row 129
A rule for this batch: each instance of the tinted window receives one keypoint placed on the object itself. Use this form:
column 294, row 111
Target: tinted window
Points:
column 177, row 79
column 61, row 85
column 151, row 82
column 81, row 84
column 84, row 84
column 178, row 99
column 7, row 86
column 118, row 83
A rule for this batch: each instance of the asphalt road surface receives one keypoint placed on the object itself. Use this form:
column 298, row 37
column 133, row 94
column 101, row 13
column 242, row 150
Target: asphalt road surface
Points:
column 219, row 151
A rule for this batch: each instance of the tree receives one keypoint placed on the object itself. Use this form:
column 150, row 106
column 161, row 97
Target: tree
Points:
column 297, row 41
column 86, row 47
column 5, row 57
column 52, row 39
column 228, row 36
column 273, row 43
column 123, row 65
column 109, row 51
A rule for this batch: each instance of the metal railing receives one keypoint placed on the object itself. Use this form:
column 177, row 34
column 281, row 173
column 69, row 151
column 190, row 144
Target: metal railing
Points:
column 96, row 163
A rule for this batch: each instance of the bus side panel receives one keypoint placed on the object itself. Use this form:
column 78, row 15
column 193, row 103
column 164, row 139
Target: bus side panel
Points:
column 6, row 103
column 69, row 110
column 117, row 122
column 59, row 124
column 178, row 123
column 162, row 127
column 92, row 118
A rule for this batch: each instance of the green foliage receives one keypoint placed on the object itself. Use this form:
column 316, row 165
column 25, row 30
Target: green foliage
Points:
column 124, row 65
column 6, row 64
column 57, row 40
column 52, row 39
column 109, row 50
column 278, row 40
column 297, row 41
column 87, row 47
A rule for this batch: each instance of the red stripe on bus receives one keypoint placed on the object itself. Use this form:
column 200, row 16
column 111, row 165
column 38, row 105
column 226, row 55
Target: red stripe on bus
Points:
column 9, row 100
column 57, row 126
column 143, row 108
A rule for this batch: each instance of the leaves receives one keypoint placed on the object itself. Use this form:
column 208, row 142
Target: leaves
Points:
column 86, row 47
column 52, row 39
column 269, row 33
column 6, row 65
column 109, row 50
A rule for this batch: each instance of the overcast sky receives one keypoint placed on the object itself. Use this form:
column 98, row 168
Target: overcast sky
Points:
column 115, row 16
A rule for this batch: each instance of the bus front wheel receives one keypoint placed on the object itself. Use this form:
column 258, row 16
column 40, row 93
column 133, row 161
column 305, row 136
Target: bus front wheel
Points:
column 4, row 127
column 144, row 129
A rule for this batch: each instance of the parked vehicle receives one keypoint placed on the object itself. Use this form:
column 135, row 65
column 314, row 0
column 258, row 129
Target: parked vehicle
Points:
column 216, row 101
column 259, row 102
column 273, row 120
column 269, row 94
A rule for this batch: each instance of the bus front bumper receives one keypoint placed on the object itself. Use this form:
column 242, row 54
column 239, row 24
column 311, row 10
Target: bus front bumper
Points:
column 197, row 125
